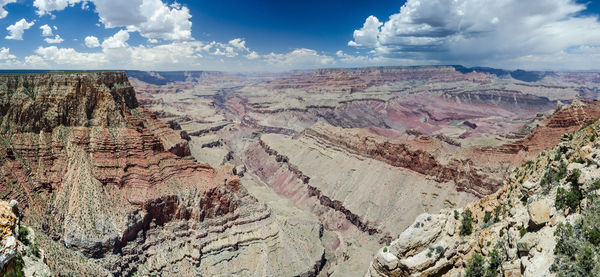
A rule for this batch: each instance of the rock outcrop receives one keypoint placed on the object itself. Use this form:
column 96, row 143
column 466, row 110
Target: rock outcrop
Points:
column 111, row 189
column 366, row 150
column 8, row 236
column 520, row 230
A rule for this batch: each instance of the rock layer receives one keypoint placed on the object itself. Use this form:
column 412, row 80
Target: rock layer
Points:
column 111, row 189
column 518, row 222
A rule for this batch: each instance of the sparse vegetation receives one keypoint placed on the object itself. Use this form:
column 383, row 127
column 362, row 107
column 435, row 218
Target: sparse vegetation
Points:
column 572, row 197
column 19, row 265
column 487, row 217
column 475, row 266
column 23, row 233
column 466, row 227
column 577, row 250
column 490, row 267
column 523, row 231
column 552, row 176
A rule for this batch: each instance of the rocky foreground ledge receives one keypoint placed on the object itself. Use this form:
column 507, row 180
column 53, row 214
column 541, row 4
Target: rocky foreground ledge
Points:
column 542, row 222
column 109, row 189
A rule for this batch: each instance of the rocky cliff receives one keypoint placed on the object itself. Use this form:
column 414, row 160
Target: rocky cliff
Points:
column 111, row 190
column 542, row 222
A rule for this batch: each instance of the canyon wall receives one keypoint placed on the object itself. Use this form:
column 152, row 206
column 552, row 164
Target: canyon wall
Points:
column 111, row 189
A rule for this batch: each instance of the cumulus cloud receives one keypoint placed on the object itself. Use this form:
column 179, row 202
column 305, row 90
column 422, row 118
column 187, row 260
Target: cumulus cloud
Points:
column 253, row 55
column 68, row 56
column 153, row 19
column 367, row 35
column 230, row 49
column 92, row 42
column 47, row 6
column 476, row 31
column 299, row 59
column 46, row 30
column 55, row 40
column 176, row 55
column 118, row 40
column 5, row 54
column 239, row 43
column 3, row 12
column 16, row 30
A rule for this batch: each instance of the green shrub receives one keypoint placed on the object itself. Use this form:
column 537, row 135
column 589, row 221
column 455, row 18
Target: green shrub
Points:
column 34, row 249
column 487, row 217
column 557, row 156
column 552, row 176
column 494, row 262
column 585, row 260
column 568, row 198
column 596, row 185
column 574, row 177
column 475, row 266
column 497, row 213
column 572, row 197
column 576, row 251
column 384, row 249
column 466, row 227
column 23, row 233
column 523, row 231
column 19, row 265
column 564, row 244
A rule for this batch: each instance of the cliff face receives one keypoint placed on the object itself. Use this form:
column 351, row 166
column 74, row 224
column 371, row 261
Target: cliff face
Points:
column 538, row 224
column 34, row 103
column 100, row 176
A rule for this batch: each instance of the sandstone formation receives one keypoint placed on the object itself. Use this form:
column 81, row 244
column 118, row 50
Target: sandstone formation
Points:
column 111, row 190
column 292, row 174
column 515, row 228
column 367, row 150
column 8, row 227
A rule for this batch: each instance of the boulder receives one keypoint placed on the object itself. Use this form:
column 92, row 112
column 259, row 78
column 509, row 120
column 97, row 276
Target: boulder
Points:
column 8, row 240
column 526, row 243
column 530, row 187
column 239, row 170
column 539, row 211
column 512, row 269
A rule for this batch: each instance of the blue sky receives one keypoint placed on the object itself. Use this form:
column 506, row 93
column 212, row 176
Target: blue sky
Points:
column 275, row 35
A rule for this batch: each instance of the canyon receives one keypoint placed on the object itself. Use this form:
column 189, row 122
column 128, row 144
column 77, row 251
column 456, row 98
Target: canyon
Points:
column 307, row 173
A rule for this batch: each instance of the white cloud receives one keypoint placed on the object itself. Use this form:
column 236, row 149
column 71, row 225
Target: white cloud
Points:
column 48, row 6
column 36, row 61
column 481, row 31
column 177, row 55
column 69, row 56
column 153, row 19
column 55, row 40
column 3, row 12
column 299, row 59
column 16, row 30
column 253, row 55
column 239, row 43
column 46, row 30
column 5, row 54
column 367, row 35
column 118, row 40
column 230, row 49
column 92, row 42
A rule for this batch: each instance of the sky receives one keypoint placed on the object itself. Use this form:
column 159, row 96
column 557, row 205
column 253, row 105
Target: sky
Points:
column 276, row 35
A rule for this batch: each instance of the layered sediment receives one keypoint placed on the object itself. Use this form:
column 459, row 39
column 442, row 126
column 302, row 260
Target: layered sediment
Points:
column 111, row 189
